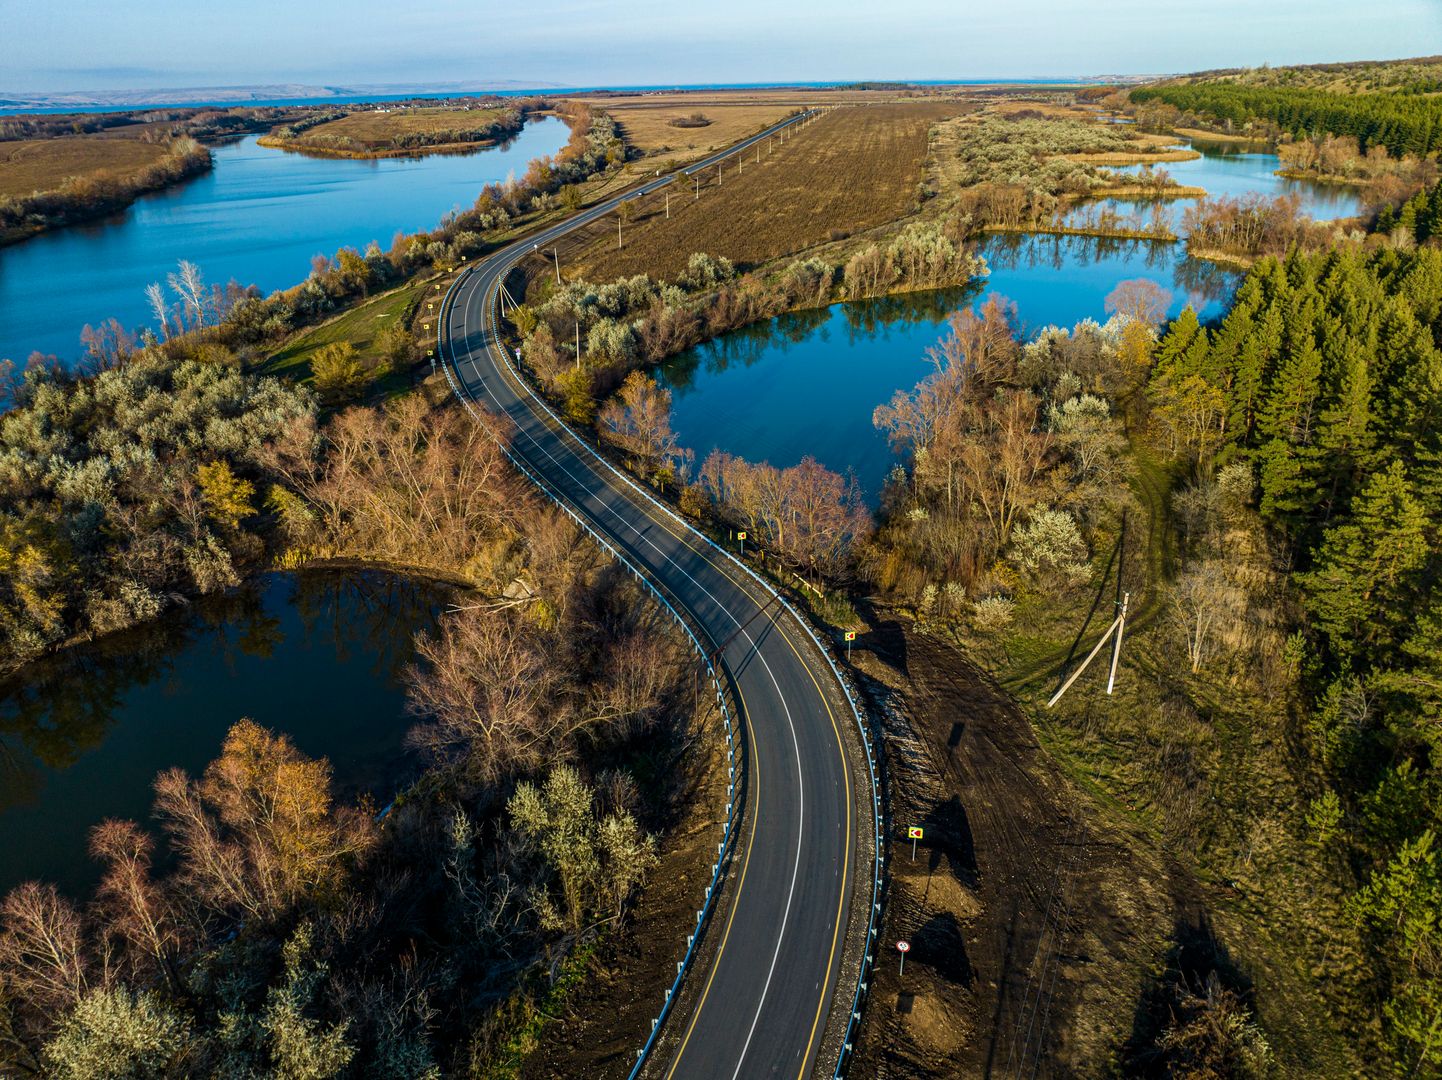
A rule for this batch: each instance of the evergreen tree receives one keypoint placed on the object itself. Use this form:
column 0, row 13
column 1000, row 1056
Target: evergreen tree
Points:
column 1363, row 579
column 1345, row 439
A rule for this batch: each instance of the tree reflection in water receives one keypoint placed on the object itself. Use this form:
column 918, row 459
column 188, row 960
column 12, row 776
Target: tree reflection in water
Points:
column 122, row 708
column 807, row 383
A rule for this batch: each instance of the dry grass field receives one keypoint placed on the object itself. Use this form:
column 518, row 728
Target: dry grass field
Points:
column 852, row 169
column 29, row 165
column 648, row 129
column 377, row 130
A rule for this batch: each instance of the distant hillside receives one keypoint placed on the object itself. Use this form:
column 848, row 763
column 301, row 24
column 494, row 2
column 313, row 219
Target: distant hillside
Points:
column 1421, row 74
column 1394, row 104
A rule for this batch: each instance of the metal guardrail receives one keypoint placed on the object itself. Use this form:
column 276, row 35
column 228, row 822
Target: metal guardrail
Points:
column 712, row 890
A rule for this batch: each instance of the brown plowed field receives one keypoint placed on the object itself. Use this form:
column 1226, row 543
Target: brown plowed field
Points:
column 852, row 169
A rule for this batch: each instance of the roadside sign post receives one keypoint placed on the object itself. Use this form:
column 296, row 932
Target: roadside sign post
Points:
column 850, row 637
column 903, row 947
column 741, row 536
column 913, row 833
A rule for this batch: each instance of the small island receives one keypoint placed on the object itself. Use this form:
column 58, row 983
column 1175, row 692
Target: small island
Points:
column 404, row 129
column 61, row 169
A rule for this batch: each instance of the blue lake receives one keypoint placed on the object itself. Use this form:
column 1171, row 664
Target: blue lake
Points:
column 316, row 655
column 258, row 216
column 1231, row 170
column 808, row 383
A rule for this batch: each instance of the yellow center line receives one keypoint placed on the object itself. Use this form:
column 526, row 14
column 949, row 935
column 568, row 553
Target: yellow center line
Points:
column 735, row 903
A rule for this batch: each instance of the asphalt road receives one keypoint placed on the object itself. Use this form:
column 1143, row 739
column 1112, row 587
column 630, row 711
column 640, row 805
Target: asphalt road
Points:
column 764, row 1001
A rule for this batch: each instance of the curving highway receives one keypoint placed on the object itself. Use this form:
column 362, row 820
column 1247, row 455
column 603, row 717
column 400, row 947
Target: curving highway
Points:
column 761, row 1007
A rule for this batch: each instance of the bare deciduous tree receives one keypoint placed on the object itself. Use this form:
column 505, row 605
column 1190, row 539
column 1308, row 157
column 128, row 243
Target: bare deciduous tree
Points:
column 1205, row 602
column 42, row 949
column 134, row 907
column 189, row 284
column 638, row 419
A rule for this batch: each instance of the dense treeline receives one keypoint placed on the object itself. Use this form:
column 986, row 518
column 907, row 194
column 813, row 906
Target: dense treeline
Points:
column 1406, row 124
column 1323, row 388
column 120, row 490
column 637, row 321
column 161, row 125
column 1247, row 226
column 1340, row 157
column 1421, row 74
column 1012, row 459
column 1286, row 726
column 81, row 197
column 1421, row 215
column 298, row 127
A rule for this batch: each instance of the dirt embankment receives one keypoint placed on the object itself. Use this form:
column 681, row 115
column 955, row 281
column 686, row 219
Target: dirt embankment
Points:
column 1033, row 928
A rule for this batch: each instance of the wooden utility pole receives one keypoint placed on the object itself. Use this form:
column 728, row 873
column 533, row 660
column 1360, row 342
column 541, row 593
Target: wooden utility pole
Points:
column 1117, row 627
column 557, row 253
column 578, row 344
column 668, row 204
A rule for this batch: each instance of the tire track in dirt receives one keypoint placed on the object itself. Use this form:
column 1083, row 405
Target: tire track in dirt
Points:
column 1032, row 926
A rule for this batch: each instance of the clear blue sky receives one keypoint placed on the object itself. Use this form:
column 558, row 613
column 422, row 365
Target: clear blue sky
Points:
column 128, row 44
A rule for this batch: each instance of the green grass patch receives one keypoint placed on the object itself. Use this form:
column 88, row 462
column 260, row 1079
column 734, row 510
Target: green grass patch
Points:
column 533, row 1009
column 360, row 325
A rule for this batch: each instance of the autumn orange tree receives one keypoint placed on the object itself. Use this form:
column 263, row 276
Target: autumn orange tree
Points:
column 978, row 456
column 638, row 420
column 258, row 832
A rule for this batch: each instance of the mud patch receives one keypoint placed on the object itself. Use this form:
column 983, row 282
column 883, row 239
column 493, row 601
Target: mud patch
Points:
column 1034, row 926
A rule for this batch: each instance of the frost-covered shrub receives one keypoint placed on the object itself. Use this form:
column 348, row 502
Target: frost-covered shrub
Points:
column 992, row 614
column 1050, row 545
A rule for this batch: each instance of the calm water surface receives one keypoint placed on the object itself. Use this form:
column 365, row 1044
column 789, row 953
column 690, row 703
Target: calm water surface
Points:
column 1233, row 170
column 315, row 655
column 258, row 216
column 809, row 383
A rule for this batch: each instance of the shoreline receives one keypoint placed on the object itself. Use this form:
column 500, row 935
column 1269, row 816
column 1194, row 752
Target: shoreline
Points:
column 1082, row 230
column 1121, row 157
column 132, row 191
column 340, row 564
column 305, row 150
